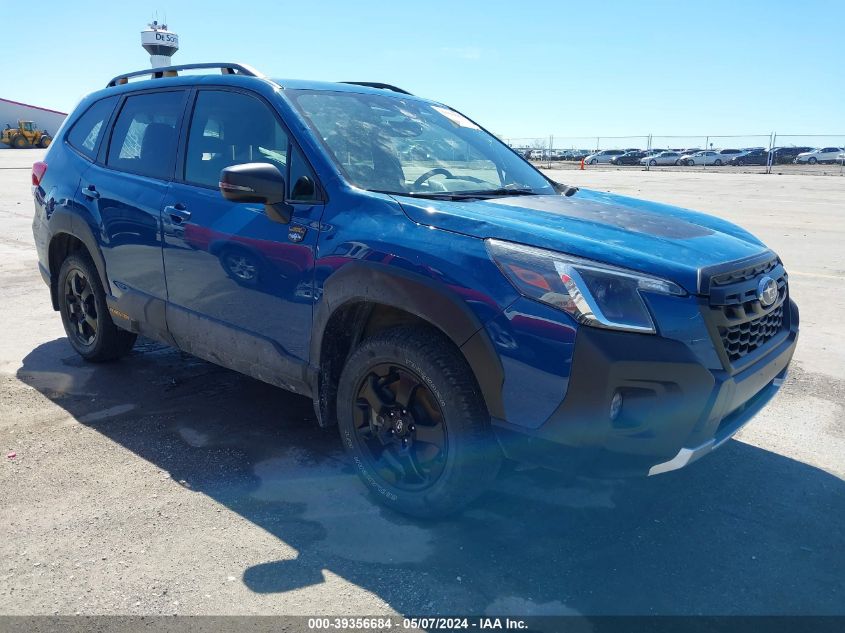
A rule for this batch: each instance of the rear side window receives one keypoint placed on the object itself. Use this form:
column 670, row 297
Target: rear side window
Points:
column 145, row 134
column 229, row 128
column 88, row 129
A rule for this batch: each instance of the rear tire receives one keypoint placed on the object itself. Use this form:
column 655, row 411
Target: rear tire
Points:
column 411, row 417
column 20, row 142
column 85, row 315
column 718, row 162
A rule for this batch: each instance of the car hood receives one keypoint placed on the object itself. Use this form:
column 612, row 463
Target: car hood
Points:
column 658, row 239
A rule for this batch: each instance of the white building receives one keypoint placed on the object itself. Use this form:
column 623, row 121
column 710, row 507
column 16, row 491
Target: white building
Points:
column 13, row 111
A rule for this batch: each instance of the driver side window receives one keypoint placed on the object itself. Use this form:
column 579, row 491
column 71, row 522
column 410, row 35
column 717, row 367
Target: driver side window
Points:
column 230, row 128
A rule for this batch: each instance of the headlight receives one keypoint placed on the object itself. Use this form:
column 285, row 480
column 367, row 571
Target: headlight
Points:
column 593, row 293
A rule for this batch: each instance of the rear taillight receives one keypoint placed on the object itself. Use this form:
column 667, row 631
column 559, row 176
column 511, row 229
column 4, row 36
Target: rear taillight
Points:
column 38, row 171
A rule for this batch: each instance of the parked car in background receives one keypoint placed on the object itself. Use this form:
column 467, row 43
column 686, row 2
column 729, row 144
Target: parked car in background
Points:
column 729, row 154
column 783, row 155
column 603, row 156
column 663, row 158
column 707, row 157
column 840, row 159
column 823, row 155
column 628, row 158
column 754, row 157
column 577, row 154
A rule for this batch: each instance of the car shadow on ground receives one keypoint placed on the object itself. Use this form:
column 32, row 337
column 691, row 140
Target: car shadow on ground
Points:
column 744, row 531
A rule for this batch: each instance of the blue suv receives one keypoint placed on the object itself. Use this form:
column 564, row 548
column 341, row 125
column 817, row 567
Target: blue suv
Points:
column 442, row 302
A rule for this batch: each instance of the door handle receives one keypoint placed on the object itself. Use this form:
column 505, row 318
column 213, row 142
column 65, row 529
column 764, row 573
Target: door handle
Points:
column 178, row 213
column 90, row 192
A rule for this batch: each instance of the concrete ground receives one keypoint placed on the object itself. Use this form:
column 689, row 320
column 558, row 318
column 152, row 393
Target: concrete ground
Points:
column 162, row 484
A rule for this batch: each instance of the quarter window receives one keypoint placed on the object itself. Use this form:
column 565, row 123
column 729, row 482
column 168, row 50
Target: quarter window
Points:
column 303, row 184
column 88, row 129
column 145, row 134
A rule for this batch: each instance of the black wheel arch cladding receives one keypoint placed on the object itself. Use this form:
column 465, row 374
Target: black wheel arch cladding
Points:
column 433, row 302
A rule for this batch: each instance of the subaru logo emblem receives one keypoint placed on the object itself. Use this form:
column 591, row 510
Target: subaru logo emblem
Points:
column 767, row 291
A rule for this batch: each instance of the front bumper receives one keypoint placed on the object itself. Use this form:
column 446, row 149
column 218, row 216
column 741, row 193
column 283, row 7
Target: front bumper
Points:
column 677, row 405
column 727, row 429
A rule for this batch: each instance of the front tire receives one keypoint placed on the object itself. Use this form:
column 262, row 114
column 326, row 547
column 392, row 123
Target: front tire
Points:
column 45, row 141
column 411, row 417
column 812, row 160
column 85, row 315
column 652, row 163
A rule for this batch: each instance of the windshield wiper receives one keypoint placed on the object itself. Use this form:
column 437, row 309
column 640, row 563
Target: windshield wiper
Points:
column 462, row 195
column 501, row 191
column 471, row 195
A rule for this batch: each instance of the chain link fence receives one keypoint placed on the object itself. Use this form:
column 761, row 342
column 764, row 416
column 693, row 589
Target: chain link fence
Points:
column 821, row 154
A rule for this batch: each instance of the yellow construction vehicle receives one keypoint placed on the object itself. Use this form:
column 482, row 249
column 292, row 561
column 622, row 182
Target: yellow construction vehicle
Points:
column 25, row 135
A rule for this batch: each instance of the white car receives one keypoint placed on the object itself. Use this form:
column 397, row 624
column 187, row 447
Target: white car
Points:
column 662, row 158
column 707, row 157
column 729, row 154
column 823, row 155
column 603, row 156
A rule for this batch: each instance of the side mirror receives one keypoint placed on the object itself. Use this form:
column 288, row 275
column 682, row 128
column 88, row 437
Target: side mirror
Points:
column 257, row 182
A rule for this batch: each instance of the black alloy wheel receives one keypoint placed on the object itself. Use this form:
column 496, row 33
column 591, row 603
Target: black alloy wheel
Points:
column 82, row 315
column 400, row 424
column 85, row 314
column 413, row 420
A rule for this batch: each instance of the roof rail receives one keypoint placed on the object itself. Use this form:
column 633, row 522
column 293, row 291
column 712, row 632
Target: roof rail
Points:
column 227, row 68
column 374, row 84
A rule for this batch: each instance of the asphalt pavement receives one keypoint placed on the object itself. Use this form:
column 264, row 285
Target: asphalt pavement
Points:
column 163, row 484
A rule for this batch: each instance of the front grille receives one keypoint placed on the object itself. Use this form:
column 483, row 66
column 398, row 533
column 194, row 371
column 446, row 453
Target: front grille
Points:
column 740, row 324
column 743, row 338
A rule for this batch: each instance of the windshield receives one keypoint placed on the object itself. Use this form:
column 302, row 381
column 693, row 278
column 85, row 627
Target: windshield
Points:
column 409, row 147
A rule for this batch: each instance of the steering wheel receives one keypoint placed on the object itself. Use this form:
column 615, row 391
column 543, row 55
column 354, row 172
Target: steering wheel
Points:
column 437, row 171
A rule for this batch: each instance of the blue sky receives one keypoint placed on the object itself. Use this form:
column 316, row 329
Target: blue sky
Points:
column 519, row 68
